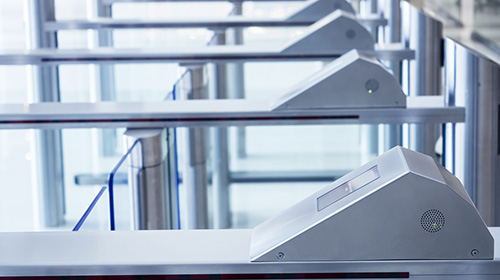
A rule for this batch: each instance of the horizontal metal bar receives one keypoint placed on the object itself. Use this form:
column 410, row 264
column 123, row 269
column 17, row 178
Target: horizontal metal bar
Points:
column 296, row 176
column 108, row 2
column 231, row 22
column 235, row 177
column 100, row 179
column 193, row 253
column 193, row 113
column 191, row 55
column 199, row 23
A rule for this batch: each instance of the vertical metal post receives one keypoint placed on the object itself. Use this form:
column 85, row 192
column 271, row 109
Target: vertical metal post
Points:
column 236, row 78
column 467, row 10
column 219, row 143
column 369, row 142
column 223, row 77
column 369, row 133
column 103, row 75
column 473, row 148
column 391, row 33
column 424, row 35
column 148, row 179
column 195, row 178
column 369, row 7
column 390, row 135
column 45, row 81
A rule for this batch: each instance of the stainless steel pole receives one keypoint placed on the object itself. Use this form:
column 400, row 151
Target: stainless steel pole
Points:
column 219, row 143
column 193, row 85
column 390, row 135
column 473, row 148
column 423, row 74
column 104, row 76
column 236, row 78
column 366, row 8
column 46, row 89
column 369, row 133
column 150, row 195
column 391, row 33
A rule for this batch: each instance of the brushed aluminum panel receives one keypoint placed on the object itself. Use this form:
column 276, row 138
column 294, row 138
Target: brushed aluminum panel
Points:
column 190, row 253
column 352, row 81
column 408, row 213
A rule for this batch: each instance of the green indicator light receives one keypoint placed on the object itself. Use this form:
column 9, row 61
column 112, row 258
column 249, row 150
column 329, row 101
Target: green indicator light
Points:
column 437, row 226
column 370, row 91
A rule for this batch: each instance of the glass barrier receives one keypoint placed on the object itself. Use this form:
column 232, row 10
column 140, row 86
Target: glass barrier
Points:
column 270, row 167
column 282, row 165
column 89, row 209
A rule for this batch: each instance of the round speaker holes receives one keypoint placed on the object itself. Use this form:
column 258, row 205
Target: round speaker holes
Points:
column 432, row 220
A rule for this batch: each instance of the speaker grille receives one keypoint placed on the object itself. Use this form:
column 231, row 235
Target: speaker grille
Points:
column 432, row 220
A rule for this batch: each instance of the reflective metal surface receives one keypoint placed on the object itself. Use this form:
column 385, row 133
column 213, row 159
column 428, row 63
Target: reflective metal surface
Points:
column 103, row 85
column 339, row 30
column 417, row 183
column 400, row 206
column 424, row 34
column 307, row 14
column 147, row 179
column 352, row 81
column 191, row 253
column 425, row 187
column 147, row 255
column 472, row 81
column 218, row 141
column 328, row 38
column 109, row 2
column 317, row 9
column 191, row 55
column 231, row 22
column 193, row 86
column 390, row 135
column 214, row 113
column 45, row 88
column 236, row 78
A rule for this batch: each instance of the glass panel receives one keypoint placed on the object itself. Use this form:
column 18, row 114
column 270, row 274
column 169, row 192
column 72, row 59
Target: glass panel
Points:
column 85, row 172
column 91, row 207
column 280, row 166
column 18, row 200
column 18, row 196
